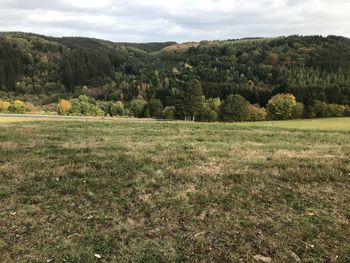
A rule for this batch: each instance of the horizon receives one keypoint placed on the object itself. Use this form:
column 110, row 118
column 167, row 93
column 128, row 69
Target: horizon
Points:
column 184, row 21
column 170, row 40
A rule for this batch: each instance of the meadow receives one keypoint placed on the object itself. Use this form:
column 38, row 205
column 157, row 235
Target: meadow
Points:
column 153, row 191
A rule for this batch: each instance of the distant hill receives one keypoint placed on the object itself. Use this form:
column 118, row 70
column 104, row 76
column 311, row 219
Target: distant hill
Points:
column 46, row 68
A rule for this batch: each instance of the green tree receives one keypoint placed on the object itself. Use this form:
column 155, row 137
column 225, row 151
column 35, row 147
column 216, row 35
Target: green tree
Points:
column 117, row 109
column 137, row 106
column 234, row 108
column 281, row 107
column 210, row 110
column 155, row 108
column 192, row 100
column 85, row 106
column 214, row 104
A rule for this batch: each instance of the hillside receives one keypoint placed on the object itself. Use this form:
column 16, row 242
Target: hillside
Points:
column 44, row 69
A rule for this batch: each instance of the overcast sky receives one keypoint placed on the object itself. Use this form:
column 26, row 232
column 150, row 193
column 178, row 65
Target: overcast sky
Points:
column 178, row 20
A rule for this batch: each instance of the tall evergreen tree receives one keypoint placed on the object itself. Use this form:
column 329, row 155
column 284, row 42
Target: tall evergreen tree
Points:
column 192, row 96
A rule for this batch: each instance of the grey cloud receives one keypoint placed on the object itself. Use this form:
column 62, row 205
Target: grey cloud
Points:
column 185, row 20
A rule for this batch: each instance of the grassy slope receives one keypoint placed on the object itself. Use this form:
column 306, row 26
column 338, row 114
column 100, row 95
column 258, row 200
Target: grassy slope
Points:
column 330, row 124
column 171, row 192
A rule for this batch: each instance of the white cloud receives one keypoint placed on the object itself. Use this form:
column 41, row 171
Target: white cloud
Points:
column 181, row 20
column 90, row 3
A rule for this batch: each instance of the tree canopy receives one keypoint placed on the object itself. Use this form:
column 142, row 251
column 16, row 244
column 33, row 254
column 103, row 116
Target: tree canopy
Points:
column 44, row 70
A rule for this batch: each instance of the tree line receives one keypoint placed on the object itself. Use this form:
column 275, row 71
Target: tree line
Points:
column 44, row 70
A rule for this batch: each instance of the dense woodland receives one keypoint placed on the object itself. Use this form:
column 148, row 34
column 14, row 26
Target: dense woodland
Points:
column 44, row 70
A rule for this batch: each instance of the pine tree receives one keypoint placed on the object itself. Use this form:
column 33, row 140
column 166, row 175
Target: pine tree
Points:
column 192, row 96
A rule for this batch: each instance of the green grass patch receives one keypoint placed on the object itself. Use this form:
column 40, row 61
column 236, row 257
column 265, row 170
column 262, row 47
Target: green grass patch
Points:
column 153, row 191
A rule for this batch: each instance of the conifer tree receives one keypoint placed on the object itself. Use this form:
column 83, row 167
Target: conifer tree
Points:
column 192, row 99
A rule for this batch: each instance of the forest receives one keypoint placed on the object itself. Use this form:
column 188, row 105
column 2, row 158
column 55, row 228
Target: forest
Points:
column 84, row 76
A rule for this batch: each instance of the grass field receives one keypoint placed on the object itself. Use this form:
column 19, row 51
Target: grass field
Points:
column 128, row 191
column 330, row 124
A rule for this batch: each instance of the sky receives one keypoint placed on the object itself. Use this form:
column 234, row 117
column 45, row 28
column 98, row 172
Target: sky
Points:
column 176, row 20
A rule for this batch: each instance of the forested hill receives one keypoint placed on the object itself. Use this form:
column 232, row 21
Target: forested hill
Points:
column 45, row 69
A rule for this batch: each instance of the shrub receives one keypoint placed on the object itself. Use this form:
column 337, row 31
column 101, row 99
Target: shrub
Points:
column 83, row 105
column 347, row 111
column 214, row 104
column 4, row 105
column 234, row 108
column 212, row 116
column 29, row 107
column 52, row 107
column 320, row 109
column 256, row 113
column 117, row 109
column 169, row 112
column 210, row 110
column 309, row 112
column 17, row 107
column 146, row 113
column 281, row 107
column 105, row 106
column 75, row 107
column 155, row 108
column 64, row 107
column 298, row 111
column 324, row 110
column 336, row 110
column 137, row 106
column 208, row 115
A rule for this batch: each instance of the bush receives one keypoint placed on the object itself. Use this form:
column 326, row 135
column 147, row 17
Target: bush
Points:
column 137, row 106
column 320, row 109
column 105, row 106
column 347, row 111
column 210, row 110
column 155, row 108
column 336, row 110
column 214, row 104
column 209, row 116
column 281, row 107
column 298, row 111
column 63, row 107
column 17, row 107
column 117, row 109
column 212, row 116
column 29, row 107
column 234, row 108
column 4, row 105
column 169, row 113
column 309, row 112
column 84, row 106
column 256, row 113
column 324, row 110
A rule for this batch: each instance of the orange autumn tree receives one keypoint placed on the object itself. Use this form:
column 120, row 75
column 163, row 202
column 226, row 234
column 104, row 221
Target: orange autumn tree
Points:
column 4, row 105
column 63, row 107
